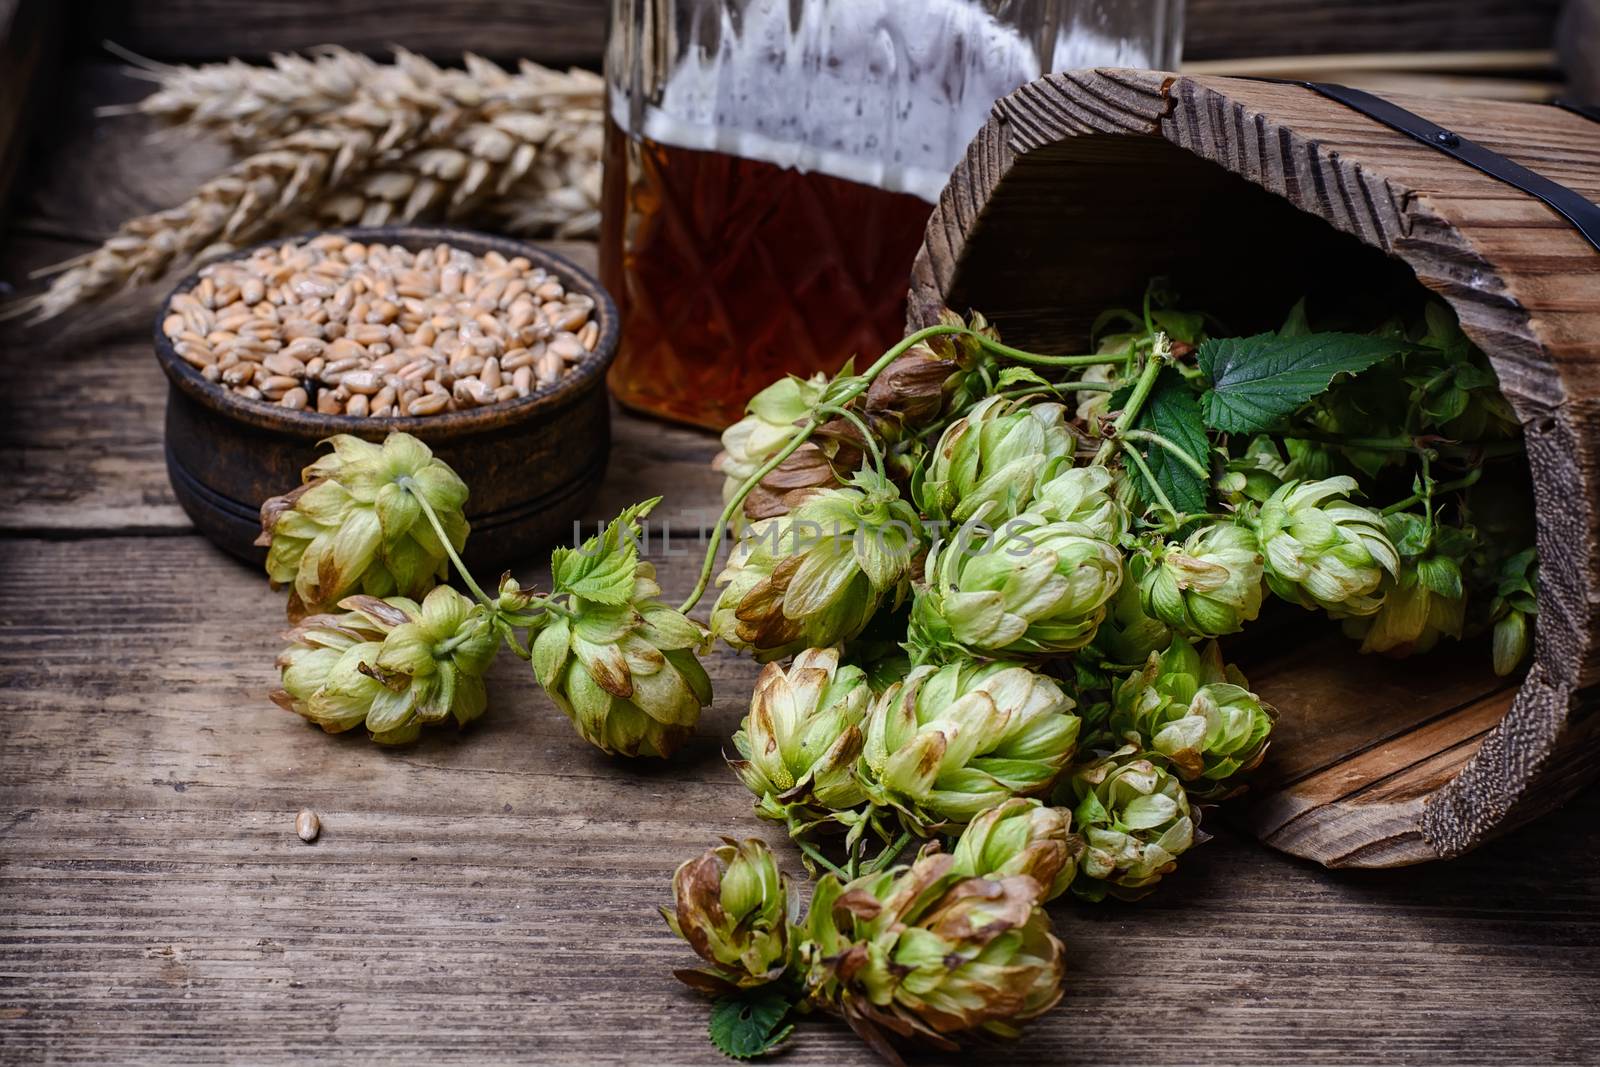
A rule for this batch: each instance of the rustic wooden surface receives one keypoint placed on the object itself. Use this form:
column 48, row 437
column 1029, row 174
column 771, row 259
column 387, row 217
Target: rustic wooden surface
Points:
column 573, row 31
column 488, row 896
column 30, row 42
column 1250, row 194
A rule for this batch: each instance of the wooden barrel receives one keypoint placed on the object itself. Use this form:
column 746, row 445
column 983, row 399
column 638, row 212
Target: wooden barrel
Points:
column 1084, row 185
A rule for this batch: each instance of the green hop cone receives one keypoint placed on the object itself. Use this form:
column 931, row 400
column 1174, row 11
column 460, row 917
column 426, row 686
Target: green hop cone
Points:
column 617, row 660
column 1424, row 603
column 1201, row 716
column 1031, row 588
column 392, row 665
column 1254, row 475
column 1021, row 836
column 626, row 675
column 800, row 741
column 1210, row 586
column 1514, row 605
column 952, row 741
column 771, row 422
column 1083, row 497
column 1135, row 819
column 1128, row 635
column 1323, row 551
column 356, row 525
column 939, row 377
column 735, row 908
column 921, row 953
column 814, row 578
column 993, row 456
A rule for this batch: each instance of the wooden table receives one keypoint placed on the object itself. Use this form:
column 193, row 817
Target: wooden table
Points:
column 490, row 896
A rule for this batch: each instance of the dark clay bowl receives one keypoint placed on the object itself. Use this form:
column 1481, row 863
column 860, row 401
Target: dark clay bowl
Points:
column 531, row 464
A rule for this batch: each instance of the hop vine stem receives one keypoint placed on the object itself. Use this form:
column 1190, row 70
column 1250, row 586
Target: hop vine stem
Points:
column 450, row 550
column 1130, row 411
column 510, row 619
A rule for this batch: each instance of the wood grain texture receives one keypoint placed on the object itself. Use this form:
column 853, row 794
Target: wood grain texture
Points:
column 489, row 895
column 553, row 32
column 30, row 43
column 1221, row 182
column 81, row 442
column 573, row 31
column 1223, row 29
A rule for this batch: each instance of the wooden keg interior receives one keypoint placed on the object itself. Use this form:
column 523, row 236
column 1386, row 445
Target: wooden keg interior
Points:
column 1082, row 225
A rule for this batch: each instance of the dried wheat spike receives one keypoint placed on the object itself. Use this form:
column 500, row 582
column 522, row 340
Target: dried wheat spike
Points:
column 338, row 138
column 532, row 173
column 242, row 204
column 529, row 162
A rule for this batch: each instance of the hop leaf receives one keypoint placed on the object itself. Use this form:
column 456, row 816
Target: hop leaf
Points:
column 1256, row 381
column 1173, row 413
column 602, row 569
column 744, row 1027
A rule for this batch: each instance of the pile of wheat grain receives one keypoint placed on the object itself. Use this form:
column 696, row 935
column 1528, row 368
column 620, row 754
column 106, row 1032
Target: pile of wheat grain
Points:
column 336, row 138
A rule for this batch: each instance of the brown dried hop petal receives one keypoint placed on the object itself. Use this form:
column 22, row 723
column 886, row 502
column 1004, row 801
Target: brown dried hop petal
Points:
column 912, row 387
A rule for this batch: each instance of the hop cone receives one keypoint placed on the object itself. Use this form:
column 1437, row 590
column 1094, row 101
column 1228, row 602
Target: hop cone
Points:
column 993, row 456
column 920, row 952
column 625, row 673
column 1514, row 605
column 1021, row 836
column 1032, row 588
column 771, row 422
column 1425, row 602
column 1083, row 497
column 1134, row 817
column 1209, row 587
column 800, row 742
column 393, row 665
column 356, row 525
column 1323, row 551
column 951, row 741
column 1128, row 635
column 939, row 377
column 1196, row 713
column 814, row 577
column 734, row 907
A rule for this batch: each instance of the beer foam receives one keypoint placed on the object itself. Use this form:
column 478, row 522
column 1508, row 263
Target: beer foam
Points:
column 882, row 92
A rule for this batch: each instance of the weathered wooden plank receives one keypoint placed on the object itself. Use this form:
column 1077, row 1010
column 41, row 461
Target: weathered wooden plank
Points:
column 1223, row 29
column 30, row 40
column 573, row 31
column 548, row 31
column 490, row 895
column 81, row 440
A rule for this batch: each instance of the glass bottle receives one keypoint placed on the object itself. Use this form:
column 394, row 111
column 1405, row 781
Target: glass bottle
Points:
column 771, row 164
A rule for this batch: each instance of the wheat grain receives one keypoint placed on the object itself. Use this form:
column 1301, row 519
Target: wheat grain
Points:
column 374, row 331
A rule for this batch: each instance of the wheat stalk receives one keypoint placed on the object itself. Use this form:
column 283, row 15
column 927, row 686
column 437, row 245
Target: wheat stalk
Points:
column 245, row 203
column 337, row 138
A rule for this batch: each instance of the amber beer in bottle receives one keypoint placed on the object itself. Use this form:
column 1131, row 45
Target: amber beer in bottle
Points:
column 771, row 164
column 731, row 272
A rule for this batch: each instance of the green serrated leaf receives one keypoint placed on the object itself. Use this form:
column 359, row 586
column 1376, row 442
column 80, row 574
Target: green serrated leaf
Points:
column 750, row 1024
column 1173, row 412
column 1257, row 381
column 602, row 570
column 1020, row 376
